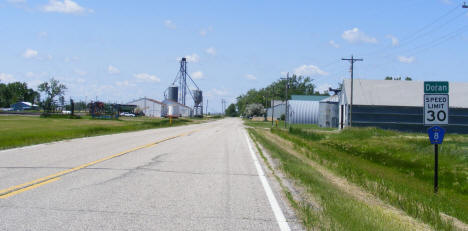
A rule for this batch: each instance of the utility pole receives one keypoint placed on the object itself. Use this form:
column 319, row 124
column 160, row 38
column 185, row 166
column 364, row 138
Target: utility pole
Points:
column 351, row 60
column 272, row 104
column 206, row 108
column 286, row 116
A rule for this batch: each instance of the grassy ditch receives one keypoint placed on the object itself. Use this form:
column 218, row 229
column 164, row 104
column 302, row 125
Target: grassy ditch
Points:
column 17, row 131
column 337, row 210
column 395, row 167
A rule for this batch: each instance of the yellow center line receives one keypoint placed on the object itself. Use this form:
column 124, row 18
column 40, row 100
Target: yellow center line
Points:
column 28, row 188
column 54, row 177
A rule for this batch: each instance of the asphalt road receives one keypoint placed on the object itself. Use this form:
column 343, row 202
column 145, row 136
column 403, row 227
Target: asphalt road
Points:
column 196, row 177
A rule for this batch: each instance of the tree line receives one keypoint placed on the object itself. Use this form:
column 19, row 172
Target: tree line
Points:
column 11, row 93
column 261, row 98
column 14, row 92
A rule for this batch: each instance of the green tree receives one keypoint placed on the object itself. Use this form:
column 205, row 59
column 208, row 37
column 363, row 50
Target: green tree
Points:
column 14, row 92
column 231, row 110
column 298, row 85
column 52, row 89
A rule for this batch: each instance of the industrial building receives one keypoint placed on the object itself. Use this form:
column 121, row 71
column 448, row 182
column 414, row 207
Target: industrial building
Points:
column 279, row 109
column 397, row 104
column 150, row 107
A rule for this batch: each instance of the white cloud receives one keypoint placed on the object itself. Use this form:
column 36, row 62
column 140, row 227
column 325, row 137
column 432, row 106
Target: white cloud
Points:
column 323, row 87
column 197, row 75
column 205, row 31
column 124, row 83
column 42, row 34
column 395, row 41
column 80, row 72
column 6, row 78
column 31, row 74
column 30, row 53
column 169, row 24
column 211, row 51
column 192, row 58
column 113, row 70
column 334, row 44
column 80, row 80
column 309, row 70
column 65, row 7
column 355, row 35
column 220, row 92
column 147, row 77
column 405, row 59
column 72, row 59
column 250, row 76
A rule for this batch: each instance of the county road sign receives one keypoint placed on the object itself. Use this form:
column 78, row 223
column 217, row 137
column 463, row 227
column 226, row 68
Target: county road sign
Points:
column 436, row 109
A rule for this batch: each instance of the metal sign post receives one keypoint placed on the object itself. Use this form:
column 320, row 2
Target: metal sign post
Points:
column 436, row 112
column 436, row 136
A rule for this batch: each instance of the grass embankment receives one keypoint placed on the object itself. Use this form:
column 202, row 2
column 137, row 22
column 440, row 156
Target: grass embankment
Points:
column 16, row 131
column 395, row 167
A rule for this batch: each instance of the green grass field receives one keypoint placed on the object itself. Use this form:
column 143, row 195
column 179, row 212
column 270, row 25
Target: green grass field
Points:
column 17, row 131
column 393, row 166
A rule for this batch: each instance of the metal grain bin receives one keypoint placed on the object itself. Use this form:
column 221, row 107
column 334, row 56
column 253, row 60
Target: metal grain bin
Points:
column 198, row 96
column 303, row 112
column 173, row 93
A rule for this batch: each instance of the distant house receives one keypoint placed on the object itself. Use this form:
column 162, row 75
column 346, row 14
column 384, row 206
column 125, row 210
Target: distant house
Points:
column 21, row 106
column 150, row 107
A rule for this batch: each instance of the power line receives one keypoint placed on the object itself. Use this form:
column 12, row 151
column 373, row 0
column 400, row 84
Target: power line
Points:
column 352, row 60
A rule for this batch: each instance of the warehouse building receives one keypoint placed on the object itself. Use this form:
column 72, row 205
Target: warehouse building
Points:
column 397, row 104
column 150, row 107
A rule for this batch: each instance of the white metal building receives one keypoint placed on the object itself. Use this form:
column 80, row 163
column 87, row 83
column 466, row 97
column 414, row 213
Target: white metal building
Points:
column 184, row 111
column 150, row 107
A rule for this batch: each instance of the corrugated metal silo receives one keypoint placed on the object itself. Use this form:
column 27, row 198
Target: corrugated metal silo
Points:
column 173, row 93
column 198, row 96
column 303, row 112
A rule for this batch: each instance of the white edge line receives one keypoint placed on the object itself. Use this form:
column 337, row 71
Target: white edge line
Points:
column 283, row 224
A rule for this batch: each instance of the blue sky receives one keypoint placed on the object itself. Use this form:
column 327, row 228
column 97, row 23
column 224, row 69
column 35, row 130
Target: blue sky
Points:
column 122, row 50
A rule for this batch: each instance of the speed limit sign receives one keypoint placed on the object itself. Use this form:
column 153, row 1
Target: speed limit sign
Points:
column 436, row 102
column 436, row 109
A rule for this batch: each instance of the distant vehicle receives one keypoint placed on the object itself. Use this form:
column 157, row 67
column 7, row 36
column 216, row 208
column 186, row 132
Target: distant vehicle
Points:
column 66, row 112
column 127, row 114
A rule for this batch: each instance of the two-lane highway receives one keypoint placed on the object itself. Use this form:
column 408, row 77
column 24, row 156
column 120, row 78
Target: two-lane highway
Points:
column 197, row 177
